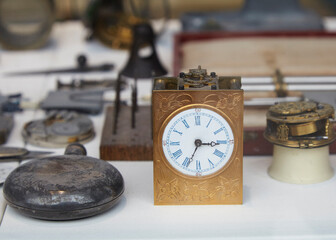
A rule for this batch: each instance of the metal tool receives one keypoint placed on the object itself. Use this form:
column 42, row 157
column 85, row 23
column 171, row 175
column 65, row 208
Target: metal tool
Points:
column 19, row 154
column 82, row 101
column 138, row 67
column 88, row 84
column 82, row 67
column 143, row 66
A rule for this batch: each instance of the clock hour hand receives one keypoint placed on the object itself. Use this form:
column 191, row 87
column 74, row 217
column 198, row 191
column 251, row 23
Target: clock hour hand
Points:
column 198, row 143
column 212, row 144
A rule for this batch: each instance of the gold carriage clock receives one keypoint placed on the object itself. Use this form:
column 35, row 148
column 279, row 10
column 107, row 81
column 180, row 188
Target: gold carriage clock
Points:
column 198, row 139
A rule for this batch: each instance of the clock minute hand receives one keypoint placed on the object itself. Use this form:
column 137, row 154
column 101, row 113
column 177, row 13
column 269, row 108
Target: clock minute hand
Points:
column 198, row 143
column 212, row 144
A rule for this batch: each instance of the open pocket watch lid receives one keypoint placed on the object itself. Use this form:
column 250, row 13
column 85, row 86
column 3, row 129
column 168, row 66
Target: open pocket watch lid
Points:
column 300, row 124
column 59, row 129
column 65, row 187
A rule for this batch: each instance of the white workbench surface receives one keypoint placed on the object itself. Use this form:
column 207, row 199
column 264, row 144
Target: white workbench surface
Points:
column 271, row 209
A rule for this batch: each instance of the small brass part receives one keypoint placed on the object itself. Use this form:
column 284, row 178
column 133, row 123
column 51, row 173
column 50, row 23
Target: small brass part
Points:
column 235, row 83
column 293, row 108
column 199, row 79
column 282, row 132
column 279, row 83
column 115, row 30
column 327, row 128
column 165, row 83
column 303, row 129
column 300, row 124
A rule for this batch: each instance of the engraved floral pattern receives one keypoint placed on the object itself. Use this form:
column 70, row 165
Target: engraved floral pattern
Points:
column 227, row 188
column 209, row 190
column 172, row 102
column 195, row 192
column 168, row 190
column 215, row 190
column 225, row 102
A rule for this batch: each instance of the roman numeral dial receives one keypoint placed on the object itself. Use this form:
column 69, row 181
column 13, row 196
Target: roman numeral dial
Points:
column 201, row 141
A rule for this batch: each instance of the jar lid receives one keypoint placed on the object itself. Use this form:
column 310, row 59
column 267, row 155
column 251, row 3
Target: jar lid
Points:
column 300, row 124
column 64, row 187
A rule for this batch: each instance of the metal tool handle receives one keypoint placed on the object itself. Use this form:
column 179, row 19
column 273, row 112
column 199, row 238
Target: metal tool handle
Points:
column 11, row 152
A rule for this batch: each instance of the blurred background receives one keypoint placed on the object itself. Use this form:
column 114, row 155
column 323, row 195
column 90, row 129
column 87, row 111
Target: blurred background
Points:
column 74, row 9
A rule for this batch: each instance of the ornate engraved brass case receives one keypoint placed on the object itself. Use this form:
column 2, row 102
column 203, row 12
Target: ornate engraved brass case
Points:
column 300, row 124
column 197, row 89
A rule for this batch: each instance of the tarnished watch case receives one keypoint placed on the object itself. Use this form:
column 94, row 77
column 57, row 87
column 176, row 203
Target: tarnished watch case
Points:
column 65, row 187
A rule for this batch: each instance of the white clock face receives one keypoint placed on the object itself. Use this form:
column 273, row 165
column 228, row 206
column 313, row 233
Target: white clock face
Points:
column 198, row 142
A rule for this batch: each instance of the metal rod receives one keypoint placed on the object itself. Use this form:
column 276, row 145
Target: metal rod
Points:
column 290, row 80
column 116, row 105
column 290, row 87
column 270, row 101
column 134, row 103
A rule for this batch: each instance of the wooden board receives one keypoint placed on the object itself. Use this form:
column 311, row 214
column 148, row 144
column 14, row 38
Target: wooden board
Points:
column 257, row 54
column 128, row 143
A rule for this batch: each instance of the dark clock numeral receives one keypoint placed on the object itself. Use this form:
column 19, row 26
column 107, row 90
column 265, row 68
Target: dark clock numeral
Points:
column 174, row 143
column 221, row 141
